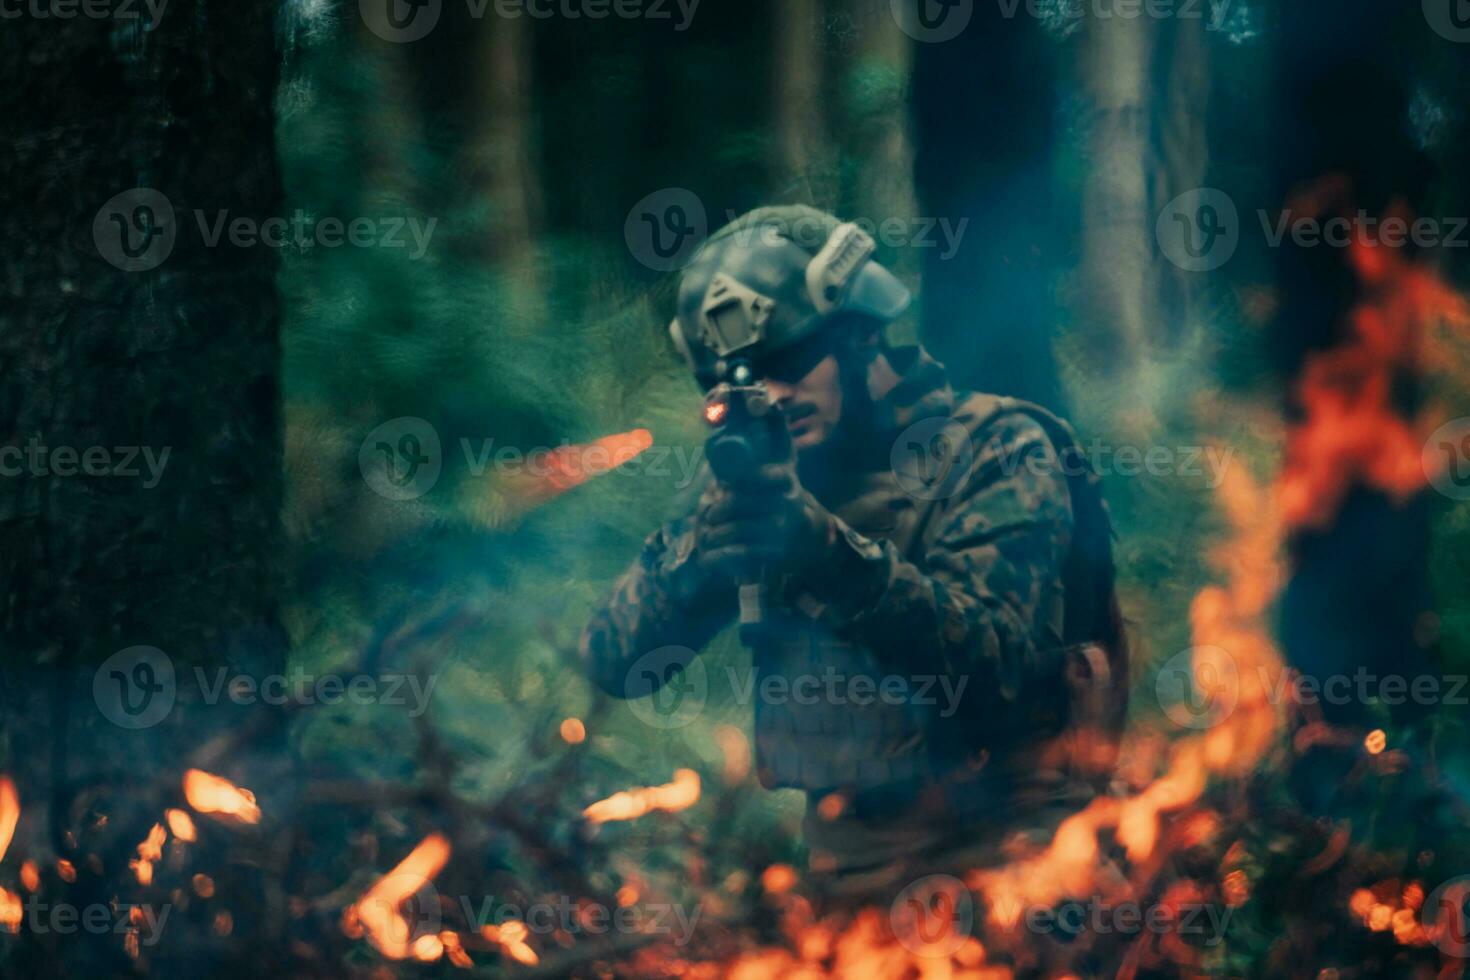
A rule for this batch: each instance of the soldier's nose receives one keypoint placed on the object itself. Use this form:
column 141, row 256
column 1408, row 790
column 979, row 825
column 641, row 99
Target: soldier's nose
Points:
column 780, row 391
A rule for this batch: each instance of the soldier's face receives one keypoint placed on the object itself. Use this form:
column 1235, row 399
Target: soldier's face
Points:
column 813, row 403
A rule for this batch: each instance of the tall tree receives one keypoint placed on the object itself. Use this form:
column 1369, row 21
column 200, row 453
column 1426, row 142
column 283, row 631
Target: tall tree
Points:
column 983, row 109
column 141, row 377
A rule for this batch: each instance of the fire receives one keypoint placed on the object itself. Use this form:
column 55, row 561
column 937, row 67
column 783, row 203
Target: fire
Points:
column 209, row 793
column 9, row 812
column 30, row 876
column 631, row 804
column 1352, row 432
column 379, row 913
column 180, row 824
column 511, row 938
column 542, row 475
column 150, row 851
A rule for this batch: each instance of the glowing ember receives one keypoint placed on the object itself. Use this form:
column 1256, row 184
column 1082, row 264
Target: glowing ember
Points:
column 11, row 910
column 631, row 804
column 149, row 851
column 379, row 913
column 209, row 793
column 1376, row 741
column 180, row 824
column 778, row 879
column 511, row 938
column 30, row 876
column 66, row 870
column 573, row 732
column 9, row 812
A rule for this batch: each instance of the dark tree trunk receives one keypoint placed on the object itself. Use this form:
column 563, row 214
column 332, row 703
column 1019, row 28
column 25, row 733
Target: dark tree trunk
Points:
column 983, row 132
column 180, row 354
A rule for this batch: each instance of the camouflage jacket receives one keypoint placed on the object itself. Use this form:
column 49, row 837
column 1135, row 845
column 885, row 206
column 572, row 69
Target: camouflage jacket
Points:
column 933, row 651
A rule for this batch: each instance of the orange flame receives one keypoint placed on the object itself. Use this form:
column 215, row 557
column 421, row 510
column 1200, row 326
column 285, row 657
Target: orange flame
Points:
column 378, row 914
column 209, row 793
column 1352, row 433
column 631, row 804
column 511, row 938
column 150, row 851
column 181, row 824
column 547, row 473
column 9, row 812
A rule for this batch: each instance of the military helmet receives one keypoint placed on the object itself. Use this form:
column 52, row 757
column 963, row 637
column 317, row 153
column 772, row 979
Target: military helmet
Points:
column 773, row 278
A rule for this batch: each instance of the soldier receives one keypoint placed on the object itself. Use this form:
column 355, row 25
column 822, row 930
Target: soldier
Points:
column 935, row 573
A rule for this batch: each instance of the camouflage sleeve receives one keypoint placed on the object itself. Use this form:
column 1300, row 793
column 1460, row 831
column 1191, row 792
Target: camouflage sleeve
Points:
column 985, row 600
column 654, row 604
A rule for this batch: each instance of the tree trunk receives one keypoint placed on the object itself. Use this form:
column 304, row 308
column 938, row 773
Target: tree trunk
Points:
column 124, row 333
column 983, row 141
column 1119, row 289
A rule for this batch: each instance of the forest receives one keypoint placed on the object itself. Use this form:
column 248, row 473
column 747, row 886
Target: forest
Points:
column 338, row 391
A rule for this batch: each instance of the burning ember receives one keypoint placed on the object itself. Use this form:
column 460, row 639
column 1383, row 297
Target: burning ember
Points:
column 631, row 804
column 208, row 793
column 378, row 915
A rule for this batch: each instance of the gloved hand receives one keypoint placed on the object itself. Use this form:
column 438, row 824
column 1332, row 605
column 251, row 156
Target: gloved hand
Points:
column 768, row 521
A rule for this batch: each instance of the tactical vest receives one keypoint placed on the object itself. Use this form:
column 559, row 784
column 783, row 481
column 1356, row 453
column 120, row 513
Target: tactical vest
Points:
column 842, row 721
